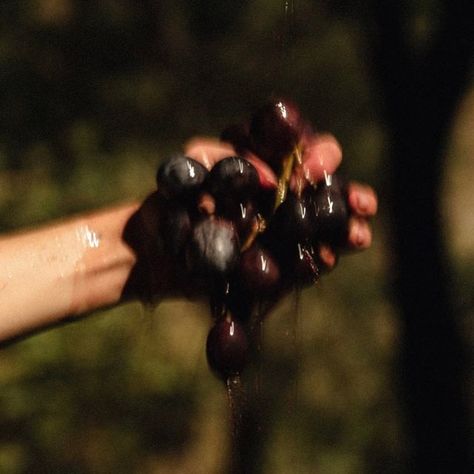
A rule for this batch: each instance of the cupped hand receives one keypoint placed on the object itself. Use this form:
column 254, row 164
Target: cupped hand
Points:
column 157, row 274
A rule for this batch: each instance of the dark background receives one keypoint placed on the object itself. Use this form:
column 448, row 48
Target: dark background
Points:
column 93, row 95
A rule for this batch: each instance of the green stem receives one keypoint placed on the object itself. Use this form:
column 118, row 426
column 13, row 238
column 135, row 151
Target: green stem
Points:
column 289, row 163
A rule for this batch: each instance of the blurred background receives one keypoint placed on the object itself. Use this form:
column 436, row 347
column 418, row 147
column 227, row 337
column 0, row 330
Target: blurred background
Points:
column 93, row 95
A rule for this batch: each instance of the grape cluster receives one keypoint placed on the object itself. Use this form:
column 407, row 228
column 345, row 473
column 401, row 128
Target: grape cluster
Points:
column 240, row 242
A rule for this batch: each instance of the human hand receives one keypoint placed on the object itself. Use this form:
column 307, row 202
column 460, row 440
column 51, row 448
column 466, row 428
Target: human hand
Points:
column 108, row 256
column 158, row 274
column 322, row 157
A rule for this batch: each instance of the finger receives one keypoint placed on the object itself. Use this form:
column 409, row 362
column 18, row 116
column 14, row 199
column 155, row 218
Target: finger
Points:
column 267, row 177
column 362, row 200
column 208, row 151
column 360, row 233
column 328, row 257
column 322, row 155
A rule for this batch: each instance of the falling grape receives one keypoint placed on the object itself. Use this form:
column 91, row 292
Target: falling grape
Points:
column 227, row 347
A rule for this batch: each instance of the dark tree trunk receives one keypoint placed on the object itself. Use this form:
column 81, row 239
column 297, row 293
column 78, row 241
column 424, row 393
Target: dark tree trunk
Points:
column 421, row 94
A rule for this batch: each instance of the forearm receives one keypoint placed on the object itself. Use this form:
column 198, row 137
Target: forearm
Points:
column 63, row 270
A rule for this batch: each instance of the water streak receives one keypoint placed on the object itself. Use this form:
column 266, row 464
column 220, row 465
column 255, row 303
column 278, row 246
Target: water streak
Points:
column 237, row 402
column 285, row 40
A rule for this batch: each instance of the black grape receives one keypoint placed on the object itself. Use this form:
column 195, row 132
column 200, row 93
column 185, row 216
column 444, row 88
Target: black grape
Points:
column 233, row 177
column 180, row 177
column 293, row 220
column 243, row 215
column 330, row 211
column 259, row 271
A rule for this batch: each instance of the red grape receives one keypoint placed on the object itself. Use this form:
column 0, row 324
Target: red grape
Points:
column 227, row 347
column 275, row 130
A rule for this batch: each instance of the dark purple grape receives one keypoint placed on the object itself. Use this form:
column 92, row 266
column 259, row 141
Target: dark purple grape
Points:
column 213, row 248
column 330, row 211
column 243, row 215
column 233, row 177
column 293, row 220
column 180, row 177
column 227, row 347
column 259, row 271
column 275, row 130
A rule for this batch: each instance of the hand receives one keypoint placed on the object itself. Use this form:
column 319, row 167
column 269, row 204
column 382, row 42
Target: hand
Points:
column 322, row 155
column 157, row 275
column 112, row 255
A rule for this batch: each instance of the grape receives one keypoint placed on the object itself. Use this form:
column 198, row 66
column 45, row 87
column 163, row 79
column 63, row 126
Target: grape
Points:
column 213, row 249
column 227, row 347
column 180, row 177
column 233, row 177
column 275, row 130
column 259, row 270
column 243, row 215
column 330, row 211
column 293, row 220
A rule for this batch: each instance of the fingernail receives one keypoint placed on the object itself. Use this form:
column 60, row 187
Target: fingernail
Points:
column 362, row 202
column 359, row 237
column 363, row 237
column 356, row 237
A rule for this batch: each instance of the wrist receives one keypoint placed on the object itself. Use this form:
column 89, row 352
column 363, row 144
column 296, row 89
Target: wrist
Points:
column 63, row 270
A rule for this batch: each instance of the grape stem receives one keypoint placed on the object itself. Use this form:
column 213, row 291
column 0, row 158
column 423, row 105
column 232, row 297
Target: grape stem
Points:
column 289, row 163
column 257, row 228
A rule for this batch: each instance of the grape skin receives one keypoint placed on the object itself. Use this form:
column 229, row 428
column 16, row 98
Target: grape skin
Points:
column 275, row 130
column 233, row 177
column 227, row 347
column 330, row 210
column 180, row 177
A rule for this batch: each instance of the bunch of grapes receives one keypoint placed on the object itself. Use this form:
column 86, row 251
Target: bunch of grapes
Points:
column 242, row 243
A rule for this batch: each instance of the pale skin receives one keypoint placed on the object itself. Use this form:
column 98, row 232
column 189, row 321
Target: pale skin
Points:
column 68, row 269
